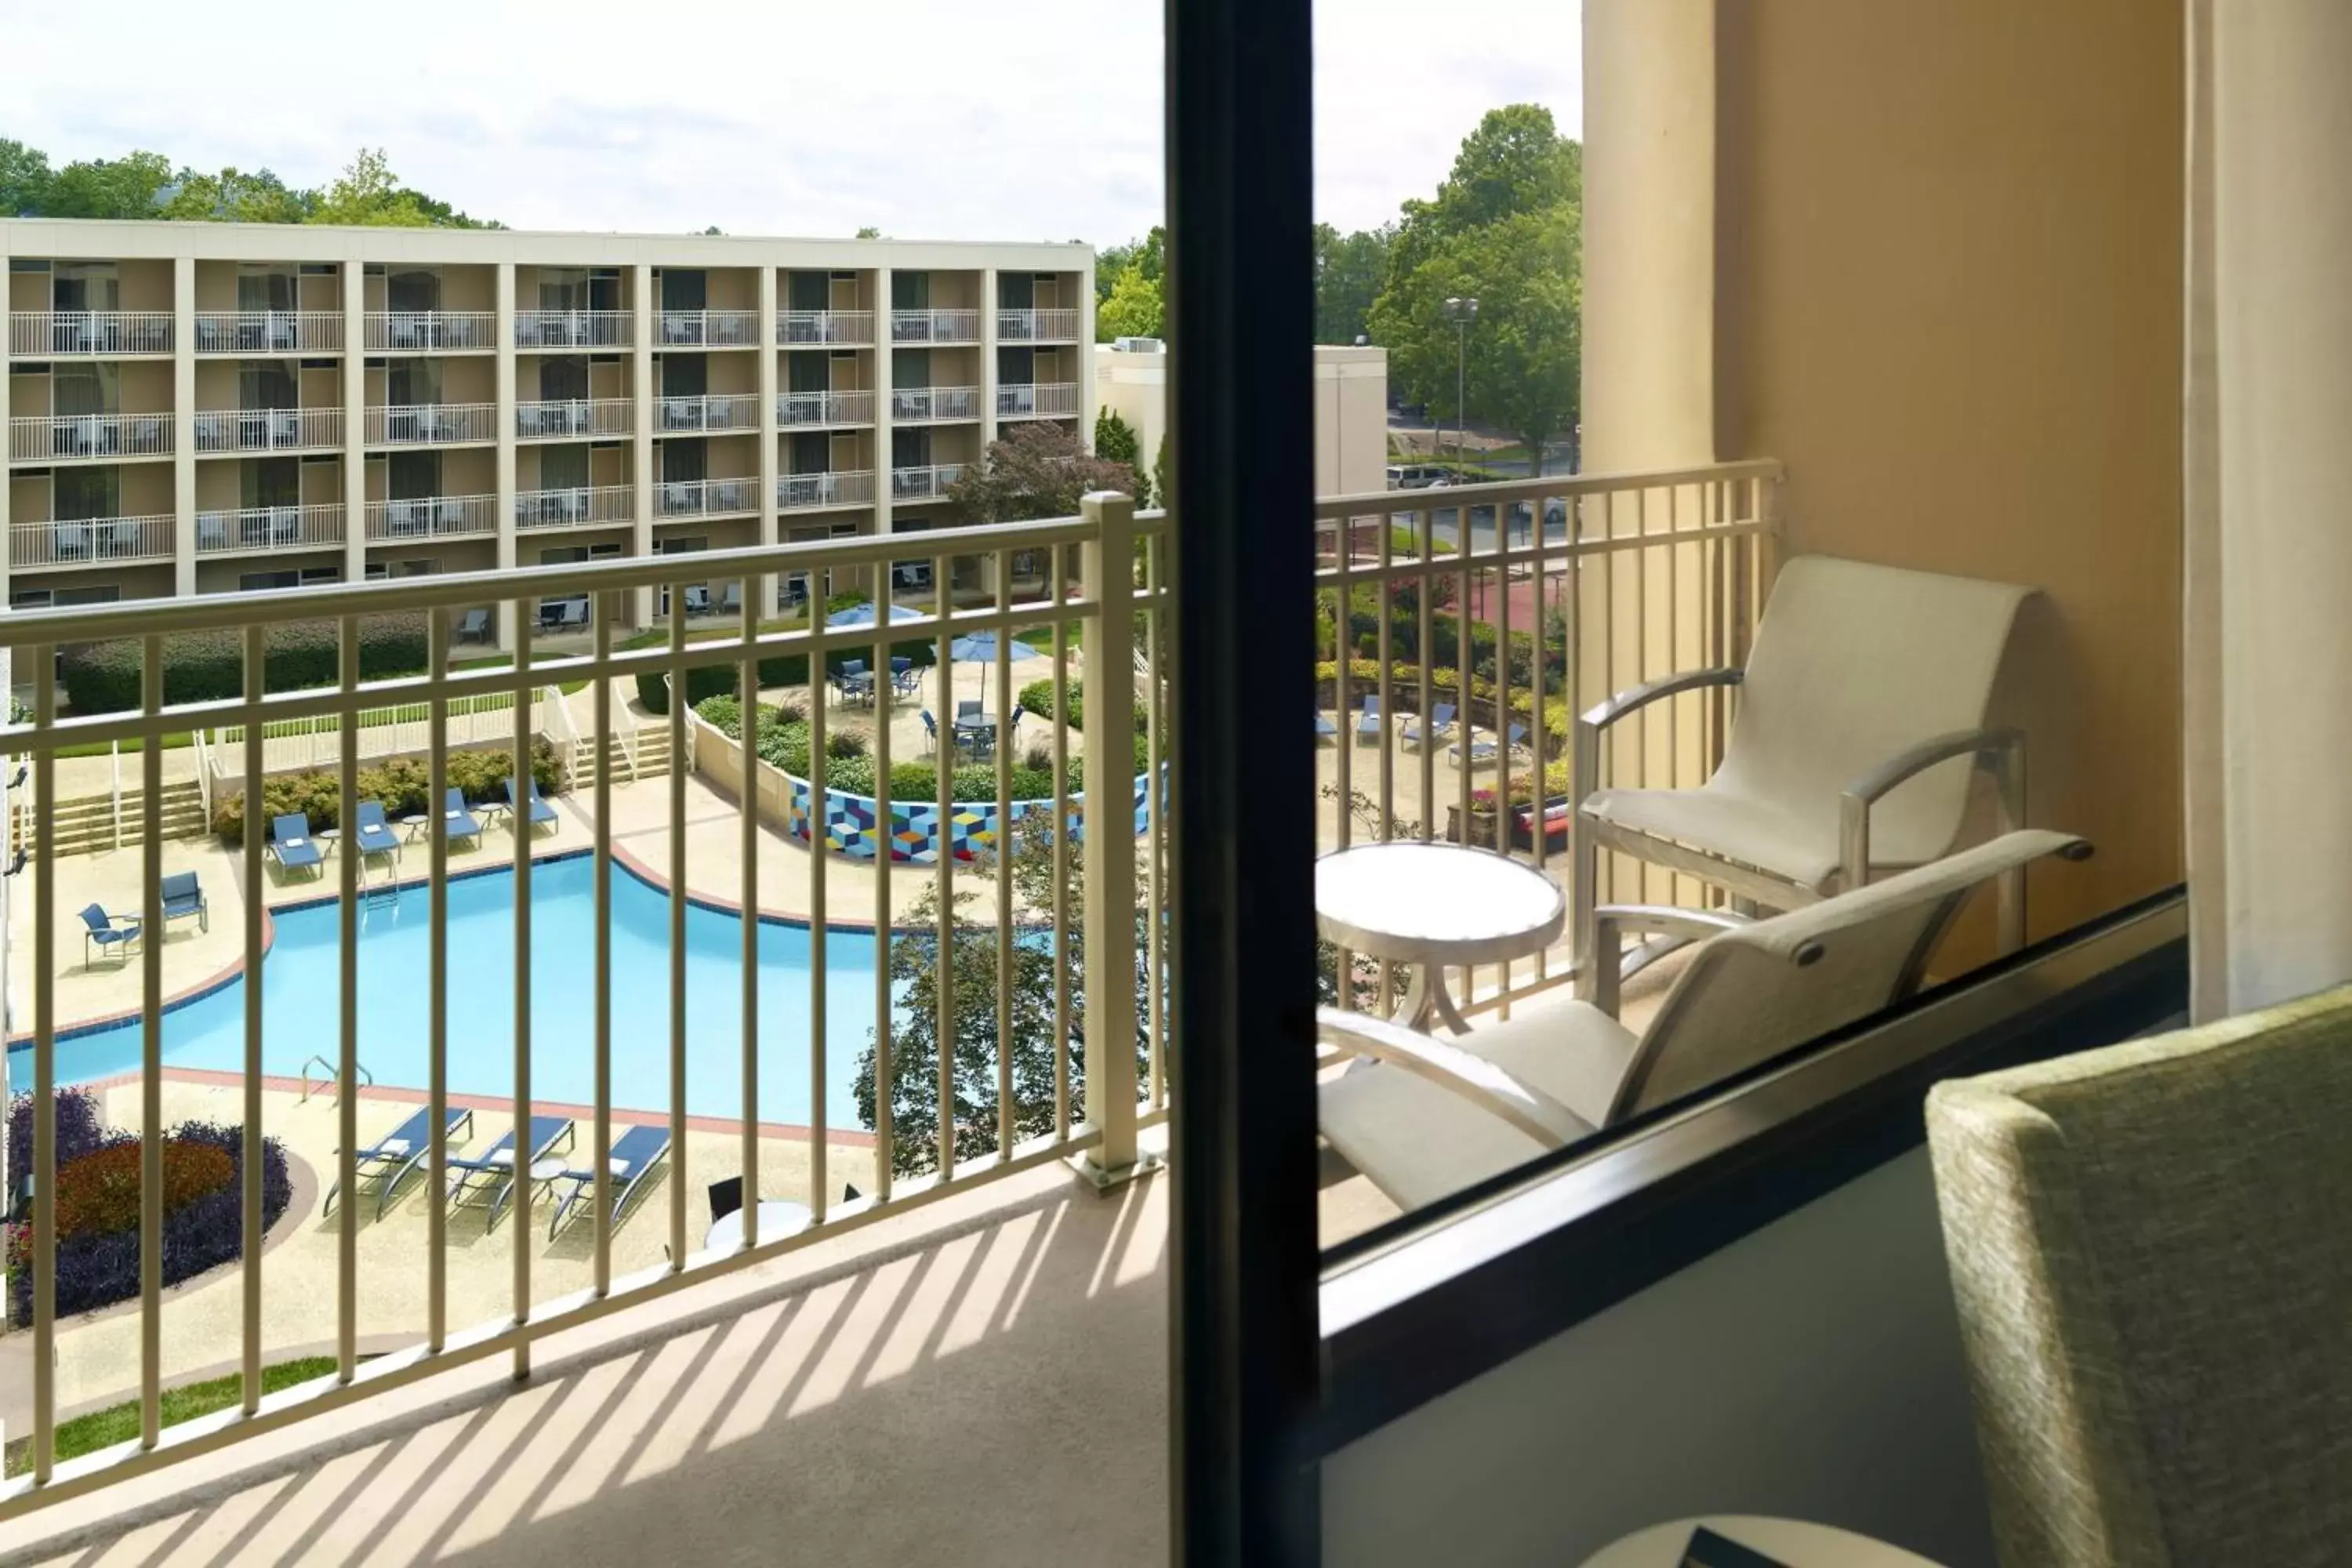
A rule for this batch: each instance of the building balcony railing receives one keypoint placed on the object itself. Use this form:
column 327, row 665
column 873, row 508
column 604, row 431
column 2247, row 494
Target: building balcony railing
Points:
column 709, row 329
column 839, row 327
column 926, row 483
column 1050, row 326
column 719, row 411
column 432, row 424
column 705, row 498
column 935, row 326
column 825, row 409
column 1039, row 400
column 46, row 334
column 89, row 542
column 570, row 418
column 575, row 506
column 802, row 492
column 432, row 332
column 923, row 404
column 574, row 328
column 432, row 517
column 269, row 430
column 269, row 332
column 62, row 438
column 254, row 529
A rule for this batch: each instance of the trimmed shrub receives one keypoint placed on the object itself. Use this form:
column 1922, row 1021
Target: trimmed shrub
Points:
column 402, row 784
column 784, row 744
column 99, row 1192
column 703, row 681
column 78, row 1132
column 206, row 667
column 1038, row 697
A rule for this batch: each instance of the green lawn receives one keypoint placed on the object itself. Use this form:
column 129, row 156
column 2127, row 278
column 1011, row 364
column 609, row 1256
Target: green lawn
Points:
column 120, row 1423
column 171, row 742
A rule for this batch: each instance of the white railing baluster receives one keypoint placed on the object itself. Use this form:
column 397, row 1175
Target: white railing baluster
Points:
column 1109, row 741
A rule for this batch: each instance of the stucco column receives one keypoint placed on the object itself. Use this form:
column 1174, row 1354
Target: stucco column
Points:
column 356, row 361
column 640, row 380
column 988, row 298
column 766, row 588
column 7, row 524
column 183, row 425
column 504, row 396
column 882, row 340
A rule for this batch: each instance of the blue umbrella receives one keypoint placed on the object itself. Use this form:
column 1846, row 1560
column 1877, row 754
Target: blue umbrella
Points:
column 982, row 646
column 863, row 616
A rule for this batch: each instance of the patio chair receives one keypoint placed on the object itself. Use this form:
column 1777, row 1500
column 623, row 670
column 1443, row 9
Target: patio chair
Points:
column 1012, row 719
column 474, row 627
column 1439, row 724
column 495, row 1169
column 541, row 813
column 371, row 834
column 403, row 1149
column 967, row 708
column 1423, row 1118
column 1368, row 724
column 730, row 599
column 1324, row 728
column 291, row 846
column 183, row 895
column 457, row 820
column 632, row 1159
column 1478, row 751
column 105, row 934
column 1861, row 720
column 698, row 600
column 932, row 730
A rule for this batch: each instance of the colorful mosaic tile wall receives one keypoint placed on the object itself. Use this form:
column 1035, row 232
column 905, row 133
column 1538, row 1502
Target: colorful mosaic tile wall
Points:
column 971, row 828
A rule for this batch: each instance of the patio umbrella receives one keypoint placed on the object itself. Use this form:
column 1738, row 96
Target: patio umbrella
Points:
column 981, row 646
column 863, row 616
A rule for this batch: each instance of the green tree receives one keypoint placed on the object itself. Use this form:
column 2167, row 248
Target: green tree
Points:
column 367, row 193
column 1117, row 442
column 1515, row 162
column 1148, row 255
column 234, row 197
column 1162, row 475
column 124, row 187
column 869, row 232
column 1133, row 311
column 24, row 179
column 1035, row 470
column 1348, row 270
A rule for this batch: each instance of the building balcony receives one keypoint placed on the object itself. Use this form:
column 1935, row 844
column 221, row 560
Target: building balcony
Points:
column 51, row 334
column 929, row 483
column 431, row 517
column 935, row 326
column 933, row 405
column 89, row 542
column 257, row 530
column 720, row 411
column 1040, row 400
column 269, row 430
column 709, row 329
column 841, row 328
column 90, row 437
column 576, row 506
column 571, row 419
column 542, row 330
column 432, row 424
column 1053, row 326
column 269, row 332
column 819, row 408
column 432, row 332
column 705, row 498
column 806, row 492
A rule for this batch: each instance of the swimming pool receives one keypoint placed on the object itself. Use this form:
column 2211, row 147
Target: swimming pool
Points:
column 301, row 995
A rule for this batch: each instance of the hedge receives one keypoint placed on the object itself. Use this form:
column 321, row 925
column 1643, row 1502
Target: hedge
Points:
column 403, row 785
column 207, row 666
column 784, row 742
column 706, row 681
column 1037, row 698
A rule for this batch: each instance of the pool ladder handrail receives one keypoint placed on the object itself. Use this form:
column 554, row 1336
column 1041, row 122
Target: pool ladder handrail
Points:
column 329, row 1075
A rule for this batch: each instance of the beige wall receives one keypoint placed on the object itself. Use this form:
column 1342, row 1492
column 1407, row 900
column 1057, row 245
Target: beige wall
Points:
column 1351, row 410
column 1948, row 297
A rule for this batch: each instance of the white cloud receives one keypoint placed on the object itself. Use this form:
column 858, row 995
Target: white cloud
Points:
column 930, row 118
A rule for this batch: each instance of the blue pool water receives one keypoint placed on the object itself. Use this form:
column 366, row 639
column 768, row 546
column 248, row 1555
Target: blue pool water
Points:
column 301, row 993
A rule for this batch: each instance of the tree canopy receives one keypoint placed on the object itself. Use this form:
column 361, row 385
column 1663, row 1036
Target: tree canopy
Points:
column 1135, row 309
column 1348, row 272
column 143, row 184
column 1035, row 470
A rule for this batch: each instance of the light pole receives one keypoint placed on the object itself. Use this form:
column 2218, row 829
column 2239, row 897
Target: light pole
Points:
column 1461, row 312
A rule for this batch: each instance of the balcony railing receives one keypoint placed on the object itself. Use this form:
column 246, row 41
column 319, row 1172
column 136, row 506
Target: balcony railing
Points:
column 1052, row 326
column 269, row 430
column 572, row 418
column 825, row 409
column 432, row 424
column 269, row 332
column 842, row 327
column 705, row 498
column 935, row 326
column 44, row 334
column 917, row 404
column 709, row 329
column 1040, row 400
column 42, row 438
column 432, row 517
column 431, row 331
column 89, row 542
column 508, row 1053
column 266, row 528
column 720, row 411
column 575, row 506
column 800, row 492
column 575, row 328
column 924, row 483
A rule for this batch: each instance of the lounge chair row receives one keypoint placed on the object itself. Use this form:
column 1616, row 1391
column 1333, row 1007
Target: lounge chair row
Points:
column 391, row 1159
column 294, row 846
column 1370, row 725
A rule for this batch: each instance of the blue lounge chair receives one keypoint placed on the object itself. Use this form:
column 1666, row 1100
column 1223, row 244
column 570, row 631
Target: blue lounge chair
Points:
column 474, row 627
column 1439, row 724
column 291, row 844
column 1484, row 751
column 1324, row 728
column 457, row 821
column 183, row 896
column 109, row 934
column 403, row 1149
column 632, row 1158
column 373, row 834
column 495, row 1169
column 541, row 812
column 1369, row 725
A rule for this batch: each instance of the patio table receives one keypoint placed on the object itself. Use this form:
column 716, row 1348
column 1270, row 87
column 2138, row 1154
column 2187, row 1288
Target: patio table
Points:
column 1430, row 905
column 777, row 1218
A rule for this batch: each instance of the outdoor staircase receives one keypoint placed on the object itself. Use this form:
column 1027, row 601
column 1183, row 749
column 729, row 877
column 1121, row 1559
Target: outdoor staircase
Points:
column 86, row 826
column 647, row 748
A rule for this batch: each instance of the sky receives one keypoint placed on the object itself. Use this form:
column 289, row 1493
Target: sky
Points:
column 999, row 120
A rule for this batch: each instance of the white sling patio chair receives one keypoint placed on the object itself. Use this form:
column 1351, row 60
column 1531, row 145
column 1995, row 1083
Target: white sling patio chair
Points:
column 1861, row 717
column 1424, row 1117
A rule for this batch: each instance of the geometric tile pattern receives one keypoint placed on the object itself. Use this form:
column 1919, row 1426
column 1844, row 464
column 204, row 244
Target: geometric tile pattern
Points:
column 972, row 826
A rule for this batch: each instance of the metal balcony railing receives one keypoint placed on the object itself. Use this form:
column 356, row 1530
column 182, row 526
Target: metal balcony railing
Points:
column 255, row 529
column 924, row 483
column 798, row 492
column 44, row 334
column 1049, row 326
column 47, row 439
column 432, row 517
column 574, row 328
column 91, row 541
column 432, row 424
column 574, row 417
column 705, row 498
column 575, row 506
column 718, row 411
column 709, row 329
column 432, row 332
column 825, row 409
column 935, row 326
column 1040, row 400
column 269, row 332
column 844, row 328
column 267, row 429
column 917, row 404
